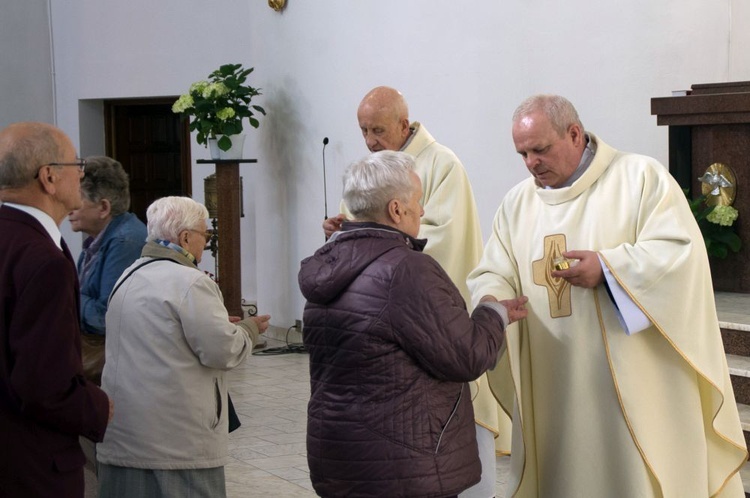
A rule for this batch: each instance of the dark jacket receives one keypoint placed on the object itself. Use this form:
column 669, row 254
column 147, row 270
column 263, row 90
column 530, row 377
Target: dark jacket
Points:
column 45, row 403
column 391, row 349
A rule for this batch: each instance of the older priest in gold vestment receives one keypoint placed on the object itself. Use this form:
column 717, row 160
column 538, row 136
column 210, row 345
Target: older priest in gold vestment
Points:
column 617, row 380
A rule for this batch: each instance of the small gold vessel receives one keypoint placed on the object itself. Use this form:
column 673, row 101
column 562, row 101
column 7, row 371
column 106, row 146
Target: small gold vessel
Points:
column 560, row 263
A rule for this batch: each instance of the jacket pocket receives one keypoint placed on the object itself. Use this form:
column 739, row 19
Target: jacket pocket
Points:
column 450, row 418
column 218, row 405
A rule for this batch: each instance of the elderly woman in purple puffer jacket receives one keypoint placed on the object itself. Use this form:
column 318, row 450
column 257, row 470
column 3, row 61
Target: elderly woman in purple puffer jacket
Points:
column 392, row 348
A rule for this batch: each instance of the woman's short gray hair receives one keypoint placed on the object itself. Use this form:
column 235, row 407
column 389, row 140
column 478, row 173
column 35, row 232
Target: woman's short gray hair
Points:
column 559, row 110
column 105, row 178
column 372, row 182
column 169, row 216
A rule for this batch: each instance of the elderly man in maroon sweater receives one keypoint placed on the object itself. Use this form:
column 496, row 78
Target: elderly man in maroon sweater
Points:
column 45, row 402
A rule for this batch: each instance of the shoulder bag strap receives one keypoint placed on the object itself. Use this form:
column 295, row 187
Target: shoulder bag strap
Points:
column 122, row 281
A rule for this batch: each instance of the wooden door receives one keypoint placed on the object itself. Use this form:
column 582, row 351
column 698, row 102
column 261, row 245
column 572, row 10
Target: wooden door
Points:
column 153, row 145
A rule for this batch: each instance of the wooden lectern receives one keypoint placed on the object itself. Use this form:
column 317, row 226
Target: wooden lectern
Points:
column 228, row 210
column 711, row 124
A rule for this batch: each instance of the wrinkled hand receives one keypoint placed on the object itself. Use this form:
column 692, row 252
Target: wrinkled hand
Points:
column 333, row 224
column 587, row 272
column 262, row 322
column 516, row 307
column 234, row 319
column 111, row 410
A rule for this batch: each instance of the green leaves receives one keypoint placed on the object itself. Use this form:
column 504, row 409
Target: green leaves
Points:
column 719, row 239
column 218, row 106
column 224, row 143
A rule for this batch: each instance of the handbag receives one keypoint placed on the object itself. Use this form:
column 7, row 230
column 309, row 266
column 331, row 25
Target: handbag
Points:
column 92, row 356
column 234, row 420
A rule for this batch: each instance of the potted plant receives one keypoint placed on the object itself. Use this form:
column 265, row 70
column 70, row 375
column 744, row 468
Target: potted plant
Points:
column 218, row 105
column 716, row 223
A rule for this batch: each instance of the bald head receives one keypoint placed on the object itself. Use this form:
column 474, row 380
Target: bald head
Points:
column 384, row 119
column 26, row 146
column 35, row 160
column 386, row 99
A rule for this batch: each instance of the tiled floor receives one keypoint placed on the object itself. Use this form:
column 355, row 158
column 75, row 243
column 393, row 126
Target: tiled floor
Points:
column 267, row 453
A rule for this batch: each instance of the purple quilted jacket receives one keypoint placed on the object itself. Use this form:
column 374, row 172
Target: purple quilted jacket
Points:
column 392, row 348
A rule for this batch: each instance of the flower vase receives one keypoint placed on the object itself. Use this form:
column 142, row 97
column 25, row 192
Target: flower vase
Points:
column 213, row 148
column 235, row 151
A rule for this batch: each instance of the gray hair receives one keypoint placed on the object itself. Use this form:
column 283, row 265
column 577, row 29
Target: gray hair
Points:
column 24, row 148
column 372, row 182
column 169, row 216
column 559, row 110
column 106, row 179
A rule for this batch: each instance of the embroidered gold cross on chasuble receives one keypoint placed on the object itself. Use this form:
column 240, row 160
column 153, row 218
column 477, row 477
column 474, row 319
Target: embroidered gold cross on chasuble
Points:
column 558, row 289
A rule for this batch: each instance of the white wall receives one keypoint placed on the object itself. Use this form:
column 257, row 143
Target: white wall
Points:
column 25, row 63
column 462, row 67
column 739, row 40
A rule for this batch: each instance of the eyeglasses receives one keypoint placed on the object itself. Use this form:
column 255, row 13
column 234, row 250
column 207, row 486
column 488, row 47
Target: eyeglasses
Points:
column 81, row 163
column 206, row 235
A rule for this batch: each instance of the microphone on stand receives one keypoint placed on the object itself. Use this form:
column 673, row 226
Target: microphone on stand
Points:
column 325, row 190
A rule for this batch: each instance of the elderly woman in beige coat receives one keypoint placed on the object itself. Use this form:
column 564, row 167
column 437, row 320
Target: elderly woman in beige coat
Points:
column 170, row 343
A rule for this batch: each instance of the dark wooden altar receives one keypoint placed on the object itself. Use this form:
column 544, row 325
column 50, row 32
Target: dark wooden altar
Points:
column 711, row 124
column 228, row 222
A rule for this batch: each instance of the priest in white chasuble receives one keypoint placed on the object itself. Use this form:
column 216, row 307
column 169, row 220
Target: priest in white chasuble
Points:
column 617, row 380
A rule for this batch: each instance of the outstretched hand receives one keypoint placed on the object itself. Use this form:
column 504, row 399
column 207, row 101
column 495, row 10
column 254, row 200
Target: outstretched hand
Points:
column 262, row 322
column 516, row 307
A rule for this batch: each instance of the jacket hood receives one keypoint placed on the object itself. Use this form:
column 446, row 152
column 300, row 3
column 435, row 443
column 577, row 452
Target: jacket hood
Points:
column 328, row 272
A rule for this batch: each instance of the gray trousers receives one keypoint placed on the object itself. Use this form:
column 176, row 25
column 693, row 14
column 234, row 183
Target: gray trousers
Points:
column 126, row 482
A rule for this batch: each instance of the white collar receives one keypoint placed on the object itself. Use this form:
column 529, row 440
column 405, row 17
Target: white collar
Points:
column 46, row 220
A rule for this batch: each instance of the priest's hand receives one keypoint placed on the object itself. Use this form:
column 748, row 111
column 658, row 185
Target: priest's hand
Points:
column 585, row 272
column 333, row 224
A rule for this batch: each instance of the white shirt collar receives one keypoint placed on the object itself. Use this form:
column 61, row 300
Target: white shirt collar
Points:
column 46, row 220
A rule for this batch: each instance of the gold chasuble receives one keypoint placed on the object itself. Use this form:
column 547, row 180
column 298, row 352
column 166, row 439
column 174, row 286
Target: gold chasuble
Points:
column 597, row 412
column 454, row 238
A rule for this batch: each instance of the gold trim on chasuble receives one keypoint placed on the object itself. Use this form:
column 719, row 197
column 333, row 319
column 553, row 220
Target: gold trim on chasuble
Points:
column 558, row 289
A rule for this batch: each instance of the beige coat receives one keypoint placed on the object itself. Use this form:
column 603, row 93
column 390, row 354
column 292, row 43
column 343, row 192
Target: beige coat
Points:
column 169, row 346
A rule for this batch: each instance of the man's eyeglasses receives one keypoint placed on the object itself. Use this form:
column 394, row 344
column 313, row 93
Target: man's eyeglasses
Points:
column 81, row 163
